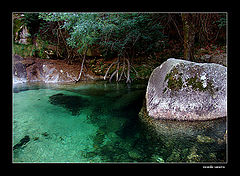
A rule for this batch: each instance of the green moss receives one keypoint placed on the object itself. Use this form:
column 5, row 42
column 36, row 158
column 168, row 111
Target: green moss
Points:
column 197, row 84
column 174, row 80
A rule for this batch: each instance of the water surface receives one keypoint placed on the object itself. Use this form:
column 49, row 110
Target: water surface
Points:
column 94, row 123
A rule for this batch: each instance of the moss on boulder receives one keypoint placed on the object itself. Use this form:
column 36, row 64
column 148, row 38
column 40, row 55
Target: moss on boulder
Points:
column 184, row 90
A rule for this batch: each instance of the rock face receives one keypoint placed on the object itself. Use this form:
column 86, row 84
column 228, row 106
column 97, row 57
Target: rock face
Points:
column 184, row 90
column 45, row 70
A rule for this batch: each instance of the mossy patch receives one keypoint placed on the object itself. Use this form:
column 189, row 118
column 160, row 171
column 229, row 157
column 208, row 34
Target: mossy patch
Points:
column 196, row 84
column 174, row 78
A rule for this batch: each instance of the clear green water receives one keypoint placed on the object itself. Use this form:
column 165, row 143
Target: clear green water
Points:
column 94, row 123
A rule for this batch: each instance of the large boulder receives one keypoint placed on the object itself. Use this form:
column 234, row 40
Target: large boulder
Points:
column 184, row 90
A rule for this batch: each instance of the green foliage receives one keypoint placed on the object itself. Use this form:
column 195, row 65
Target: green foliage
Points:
column 82, row 28
column 131, row 34
column 222, row 21
column 123, row 34
column 23, row 50
column 32, row 21
column 17, row 23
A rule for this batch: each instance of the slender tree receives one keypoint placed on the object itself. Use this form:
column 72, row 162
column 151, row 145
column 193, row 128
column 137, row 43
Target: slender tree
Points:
column 189, row 31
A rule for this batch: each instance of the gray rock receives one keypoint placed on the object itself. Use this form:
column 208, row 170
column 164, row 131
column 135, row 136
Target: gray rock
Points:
column 19, row 70
column 184, row 90
column 16, row 58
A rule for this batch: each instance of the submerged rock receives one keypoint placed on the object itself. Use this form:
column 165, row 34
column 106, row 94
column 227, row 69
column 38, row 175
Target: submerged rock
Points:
column 182, row 130
column 134, row 154
column 156, row 158
column 184, row 90
column 22, row 142
column 204, row 139
column 72, row 103
column 128, row 99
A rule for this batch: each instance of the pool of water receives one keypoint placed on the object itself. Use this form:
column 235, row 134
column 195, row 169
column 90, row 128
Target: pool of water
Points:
column 94, row 122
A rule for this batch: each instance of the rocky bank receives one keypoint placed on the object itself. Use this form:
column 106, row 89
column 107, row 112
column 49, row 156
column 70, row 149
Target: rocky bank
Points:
column 47, row 70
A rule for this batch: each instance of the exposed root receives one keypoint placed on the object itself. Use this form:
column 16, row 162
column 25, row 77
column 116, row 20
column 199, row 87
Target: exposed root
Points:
column 109, row 68
column 121, row 72
column 80, row 73
column 128, row 72
column 72, row 78
column 113, row 75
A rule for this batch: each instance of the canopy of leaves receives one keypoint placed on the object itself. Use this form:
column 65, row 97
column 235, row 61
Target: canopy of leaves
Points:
column 123, row 34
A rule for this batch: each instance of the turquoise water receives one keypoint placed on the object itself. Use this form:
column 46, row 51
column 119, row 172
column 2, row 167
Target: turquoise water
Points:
column 94, row 123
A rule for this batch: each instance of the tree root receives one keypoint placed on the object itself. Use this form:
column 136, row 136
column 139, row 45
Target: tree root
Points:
column 109, row 68
column 125, row 71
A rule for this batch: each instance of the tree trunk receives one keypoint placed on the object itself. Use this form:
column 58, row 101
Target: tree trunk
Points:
column 80, row 74
column 189, row 36
column 128, row 72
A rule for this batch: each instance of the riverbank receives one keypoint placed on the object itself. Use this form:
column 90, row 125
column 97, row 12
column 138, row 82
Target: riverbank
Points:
column 54, row 71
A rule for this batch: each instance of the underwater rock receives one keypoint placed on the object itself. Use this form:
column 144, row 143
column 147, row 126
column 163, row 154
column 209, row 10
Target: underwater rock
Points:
column 184, row 90
column 134, row 154
column 174, row 129
column 45, row 134
column 128, row 99
column 22, row 142
column 72, row 103
column 205, row 135
column 174, row 157
column 193, row 156
column 156, row 158
column 204, row 139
